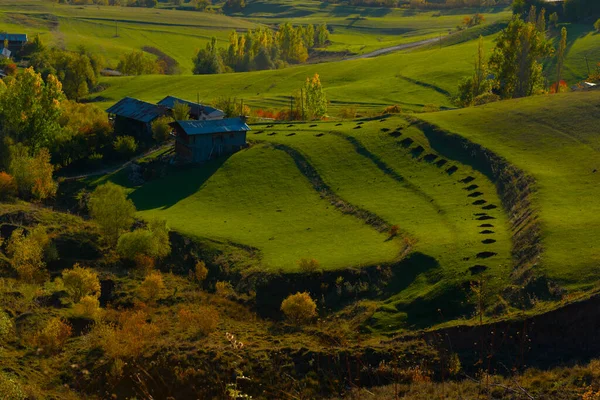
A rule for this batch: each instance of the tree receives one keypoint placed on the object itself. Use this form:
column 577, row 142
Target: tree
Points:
column 152, row 242
column 299, row 308
column 110, row 208
column 8, row 186
column 469, row 89
column 29, row 111
column 200, row 272
column 53, row 336
column 235, row 5
column 32, row 174
column 541, row 21
column 181, row 111
column 161, row 130
column 80, row 282
column 313, row 99
column 554, row 19
column 125, row 146
column 26, row 253
column 137, row 63
column 208, row 60
column 515, row 59
column 597, row 25
column 560, row 57
column 152, row 286
column 322, row 35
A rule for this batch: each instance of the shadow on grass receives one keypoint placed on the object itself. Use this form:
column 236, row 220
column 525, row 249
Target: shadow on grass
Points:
column 407, row 271
column 452, row 146
column 179, row 184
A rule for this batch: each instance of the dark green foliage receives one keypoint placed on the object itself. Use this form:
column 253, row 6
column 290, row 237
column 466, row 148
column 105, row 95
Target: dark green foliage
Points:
column 208, row 60
column 125, row 146
column 516, row 58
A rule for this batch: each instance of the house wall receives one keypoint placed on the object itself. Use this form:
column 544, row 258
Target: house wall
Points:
column 199, row 148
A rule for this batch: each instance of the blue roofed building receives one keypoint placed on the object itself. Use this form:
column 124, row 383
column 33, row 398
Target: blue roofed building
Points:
column 15, row 41
column 198, row 141
column 134, row 117
column 197, row 111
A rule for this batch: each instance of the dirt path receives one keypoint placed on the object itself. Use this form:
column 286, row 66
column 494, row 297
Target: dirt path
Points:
column 394, row 48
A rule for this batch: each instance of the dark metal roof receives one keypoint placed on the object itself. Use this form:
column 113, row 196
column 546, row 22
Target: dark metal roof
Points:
column 136, row 109
column 13, row 37
column 212, row 126
column 195, row 108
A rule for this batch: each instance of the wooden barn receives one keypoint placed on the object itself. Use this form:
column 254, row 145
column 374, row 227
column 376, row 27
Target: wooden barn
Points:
column 198, row 111
column 197, row 141
column 134, row 117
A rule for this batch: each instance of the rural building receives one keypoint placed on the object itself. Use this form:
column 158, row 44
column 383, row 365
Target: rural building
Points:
column 16, row 41
column 198, row 141
column 134, row 117
column 197, row 111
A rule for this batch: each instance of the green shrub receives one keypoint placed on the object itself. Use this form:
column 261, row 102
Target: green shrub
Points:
column 161, row 130
column 152, row 242
column 80, row 282
column 53, row 336
column 597, row 25
column 125, row 146
column 200, row 272
column 299, row 308
column 27, row 253
column 88, row 307
column 6, row 327
column 152, row 286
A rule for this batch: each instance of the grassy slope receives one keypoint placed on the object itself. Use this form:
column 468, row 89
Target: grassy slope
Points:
column 177, row 33
column 363, row 29
column 555, row 139
column 259, row 198
column 411, row 79
column 430, row 206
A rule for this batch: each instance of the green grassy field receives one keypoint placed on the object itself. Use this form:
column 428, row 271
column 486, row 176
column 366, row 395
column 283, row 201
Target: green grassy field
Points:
column 259, row 198
column 410, row 79
column 390, row 169
column 179, row 33
column 555, row 139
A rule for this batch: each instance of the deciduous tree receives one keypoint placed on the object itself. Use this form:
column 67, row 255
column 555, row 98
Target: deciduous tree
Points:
column 516, row 59
column 110, row 208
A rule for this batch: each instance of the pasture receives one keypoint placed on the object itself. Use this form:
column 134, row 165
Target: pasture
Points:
column 258, row 198
column 110, row 31
column 555, row 139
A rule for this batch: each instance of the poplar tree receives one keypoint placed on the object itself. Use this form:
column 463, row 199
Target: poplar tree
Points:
column 560, row 57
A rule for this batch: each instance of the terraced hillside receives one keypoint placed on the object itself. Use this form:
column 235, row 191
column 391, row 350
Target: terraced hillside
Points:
column 259, row 198
column 555, row 140
column 331, row 191
column 450, row 212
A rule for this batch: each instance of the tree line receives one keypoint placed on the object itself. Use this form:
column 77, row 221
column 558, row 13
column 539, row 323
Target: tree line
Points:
column 261, row 49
